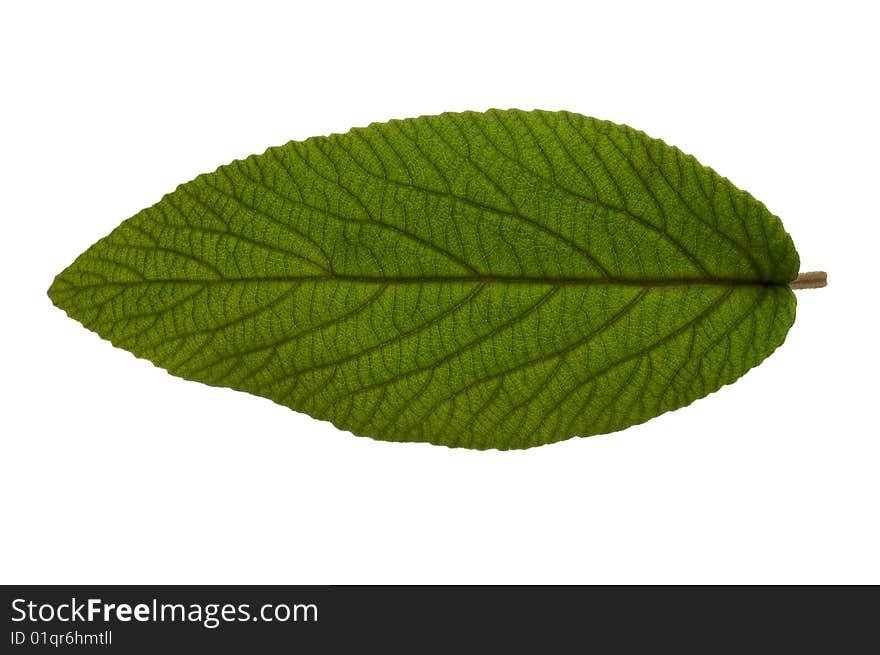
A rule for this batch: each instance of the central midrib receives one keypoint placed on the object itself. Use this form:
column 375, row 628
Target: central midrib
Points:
column 463, row 279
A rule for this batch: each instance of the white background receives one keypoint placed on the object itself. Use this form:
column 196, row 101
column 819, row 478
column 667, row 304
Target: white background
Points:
column 113, row 471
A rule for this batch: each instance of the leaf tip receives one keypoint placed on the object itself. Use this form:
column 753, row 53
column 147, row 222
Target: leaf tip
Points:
column 53, row 290
column 61, row 292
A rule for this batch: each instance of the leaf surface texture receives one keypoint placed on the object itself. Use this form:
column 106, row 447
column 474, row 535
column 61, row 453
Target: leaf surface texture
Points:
column 486, row 280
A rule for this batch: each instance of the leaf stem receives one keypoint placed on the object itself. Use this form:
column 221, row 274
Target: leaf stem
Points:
column 811, row 280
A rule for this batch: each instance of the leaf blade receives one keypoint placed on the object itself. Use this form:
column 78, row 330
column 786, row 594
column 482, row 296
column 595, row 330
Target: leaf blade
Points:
column 454, row 279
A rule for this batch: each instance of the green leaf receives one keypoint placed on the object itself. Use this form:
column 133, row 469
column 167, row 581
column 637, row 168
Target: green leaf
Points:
column 486, row 280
